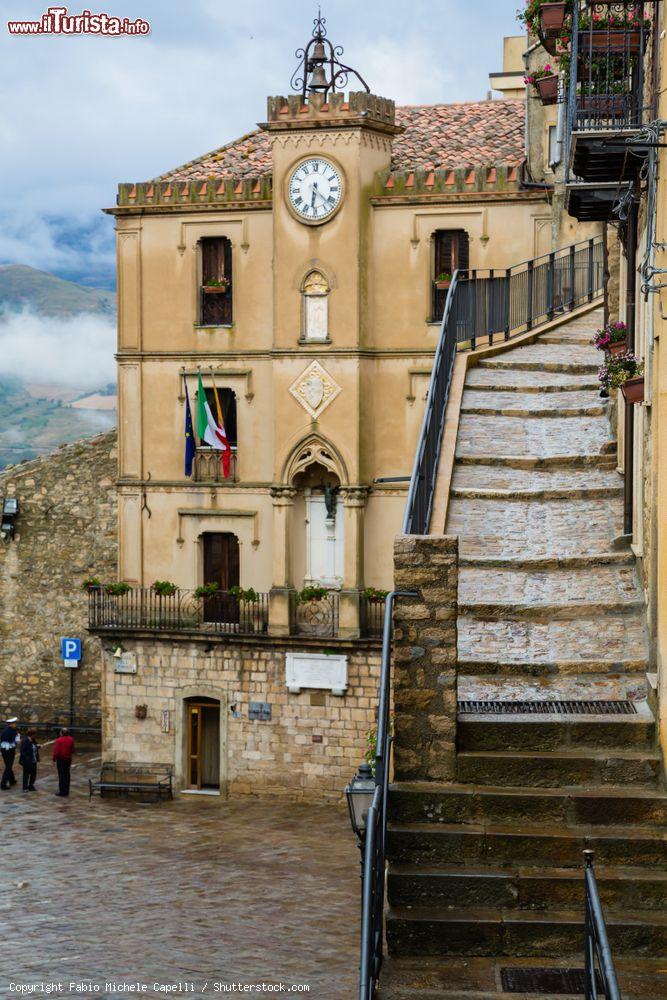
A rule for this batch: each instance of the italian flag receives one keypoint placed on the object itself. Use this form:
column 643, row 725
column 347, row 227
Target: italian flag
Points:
column 210, row 431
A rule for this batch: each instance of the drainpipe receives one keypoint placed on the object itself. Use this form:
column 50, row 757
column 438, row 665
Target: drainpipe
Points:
column 559, row 136
column 630, row 295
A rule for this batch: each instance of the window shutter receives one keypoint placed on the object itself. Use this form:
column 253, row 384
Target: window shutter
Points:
column 463, row 251
column 443, row 252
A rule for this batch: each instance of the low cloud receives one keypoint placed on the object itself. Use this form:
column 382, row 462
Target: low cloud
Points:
column 77, row 351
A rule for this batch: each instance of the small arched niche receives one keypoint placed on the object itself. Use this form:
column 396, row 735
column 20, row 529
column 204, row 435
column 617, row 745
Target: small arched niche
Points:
column 315, row 307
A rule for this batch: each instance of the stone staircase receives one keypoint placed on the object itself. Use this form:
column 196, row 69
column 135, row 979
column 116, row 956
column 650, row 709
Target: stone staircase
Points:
column 487, row 874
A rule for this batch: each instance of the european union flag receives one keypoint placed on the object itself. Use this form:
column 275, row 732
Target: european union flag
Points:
column 190, row 447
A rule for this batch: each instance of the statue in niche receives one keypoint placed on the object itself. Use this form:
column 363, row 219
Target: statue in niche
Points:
column 330, row 495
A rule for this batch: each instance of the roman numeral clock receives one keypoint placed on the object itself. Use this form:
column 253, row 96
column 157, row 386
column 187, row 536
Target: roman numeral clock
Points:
column 315, row 190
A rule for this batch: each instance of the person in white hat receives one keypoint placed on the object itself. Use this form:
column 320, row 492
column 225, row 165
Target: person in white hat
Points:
column 9, row 740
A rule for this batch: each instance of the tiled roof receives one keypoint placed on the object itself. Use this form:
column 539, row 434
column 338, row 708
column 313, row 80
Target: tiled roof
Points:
column 436, row 135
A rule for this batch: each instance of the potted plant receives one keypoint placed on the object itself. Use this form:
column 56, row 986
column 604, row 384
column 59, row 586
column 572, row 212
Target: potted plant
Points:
column 117, row 589
column 375, row 595
column 613, row 32
column 311, row 594
column 545, row 82
column 164, row 588
column 443, row 281
column 207, row 590
column 611, row 338
column 249, row 596
column 624, row 372
column 552, row 18
column 92, row 584
column 216, row 286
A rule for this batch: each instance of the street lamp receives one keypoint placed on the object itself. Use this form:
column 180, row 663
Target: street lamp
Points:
column 359, row 794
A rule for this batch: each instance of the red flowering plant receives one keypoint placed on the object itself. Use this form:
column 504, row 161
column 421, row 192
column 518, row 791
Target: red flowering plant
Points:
column 630, row 18
column 539, row 74
column 530, row 15
column 612, row 333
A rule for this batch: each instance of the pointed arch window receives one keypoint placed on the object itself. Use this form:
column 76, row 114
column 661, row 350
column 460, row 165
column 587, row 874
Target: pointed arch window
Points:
column 315, row 308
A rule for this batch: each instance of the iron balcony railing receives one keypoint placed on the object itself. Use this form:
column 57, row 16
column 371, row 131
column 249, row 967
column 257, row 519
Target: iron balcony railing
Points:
column 482, row 308
column 599, row 964
column 215, row 306
column 374, row 848
column 371, row 611
column 606, row 83
column 316, row 617
column 183, row 611
column 208, row 466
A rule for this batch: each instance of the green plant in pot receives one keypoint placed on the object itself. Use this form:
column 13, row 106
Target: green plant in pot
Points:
column 91, row 584
column 443, row 280
column 624, row 372
column 118, row 589
column 207, row 590
column 311, row 594
column 249, row 596
column 375, row 595
column 164, row 588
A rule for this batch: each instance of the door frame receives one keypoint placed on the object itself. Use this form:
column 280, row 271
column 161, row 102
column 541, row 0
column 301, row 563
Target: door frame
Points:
column 188, row 696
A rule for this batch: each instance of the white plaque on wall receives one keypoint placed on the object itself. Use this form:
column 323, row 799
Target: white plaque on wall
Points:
column 316, row 670
column 126, row 664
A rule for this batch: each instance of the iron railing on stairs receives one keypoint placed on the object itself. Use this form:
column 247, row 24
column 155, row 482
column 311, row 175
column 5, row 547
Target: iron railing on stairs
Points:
column 599, row 963
column 483, row 308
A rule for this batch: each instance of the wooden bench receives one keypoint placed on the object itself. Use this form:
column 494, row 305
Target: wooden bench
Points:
column 120, row 776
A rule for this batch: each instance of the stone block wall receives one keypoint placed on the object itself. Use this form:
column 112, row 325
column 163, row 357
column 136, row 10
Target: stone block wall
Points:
column 425, row 658
column 65, row 533
column 309, row 749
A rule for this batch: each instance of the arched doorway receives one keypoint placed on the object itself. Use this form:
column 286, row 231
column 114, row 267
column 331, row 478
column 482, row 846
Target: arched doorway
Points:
column 202, row 769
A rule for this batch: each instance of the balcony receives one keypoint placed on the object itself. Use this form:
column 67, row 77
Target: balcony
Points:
column 215, row 305
column 317, row 617
column 609, row 101
column 207, row 467
column 142, row 609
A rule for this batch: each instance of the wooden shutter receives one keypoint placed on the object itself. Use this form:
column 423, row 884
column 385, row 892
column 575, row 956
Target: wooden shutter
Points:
column 463, row 248
column 452, row 251
column 213, row 258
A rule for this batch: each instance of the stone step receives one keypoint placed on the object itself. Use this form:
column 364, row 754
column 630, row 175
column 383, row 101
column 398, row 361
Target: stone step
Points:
column 500, row 845
column 430, row 802
column 547, row 668
column 479, row 978
column 605, row 460
column 515, row 404
column 534, row 382
column 586, row 586
column 618, row 557
column 489, row 931
column 508, row 363
column 581, row 493
column 559, row 769
column 554, row 733
column 536, row 437
column 547, row 611
column 621, row 889
column 493, row 641
column 514, row 481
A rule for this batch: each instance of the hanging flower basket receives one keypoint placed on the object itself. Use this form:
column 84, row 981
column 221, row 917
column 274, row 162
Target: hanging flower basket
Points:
column 633, row 389
column 552, row 18
column 547, row 89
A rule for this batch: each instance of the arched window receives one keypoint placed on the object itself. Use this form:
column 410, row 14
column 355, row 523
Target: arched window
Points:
column 315, row 310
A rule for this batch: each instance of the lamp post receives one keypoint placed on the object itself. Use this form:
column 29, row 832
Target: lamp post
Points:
column 359, row 794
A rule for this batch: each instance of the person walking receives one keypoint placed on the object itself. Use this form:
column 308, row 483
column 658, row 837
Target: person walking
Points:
column 28, row 759
column 63, row 751
column 9, row 738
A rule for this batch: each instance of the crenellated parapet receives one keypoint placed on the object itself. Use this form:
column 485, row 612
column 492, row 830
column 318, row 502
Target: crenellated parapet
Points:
column 331, row 111
column 455, row 181
column 214, row 191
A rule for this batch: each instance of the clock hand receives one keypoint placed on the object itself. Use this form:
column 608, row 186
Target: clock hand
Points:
column 315, row 191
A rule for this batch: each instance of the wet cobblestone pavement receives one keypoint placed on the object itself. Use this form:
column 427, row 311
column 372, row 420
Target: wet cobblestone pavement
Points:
column 192, row 892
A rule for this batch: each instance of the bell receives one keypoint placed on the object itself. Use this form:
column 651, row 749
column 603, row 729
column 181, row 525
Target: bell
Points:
column 319, row 55
column 318, row 80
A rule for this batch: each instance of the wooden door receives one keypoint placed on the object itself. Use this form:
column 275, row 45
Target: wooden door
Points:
column 203, row 763
column 221, row 566
column 194, row 746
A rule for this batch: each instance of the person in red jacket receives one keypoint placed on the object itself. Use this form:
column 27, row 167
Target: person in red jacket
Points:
column 63, row 751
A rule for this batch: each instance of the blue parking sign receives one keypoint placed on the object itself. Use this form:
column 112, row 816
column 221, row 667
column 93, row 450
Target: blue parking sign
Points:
column 70, row 650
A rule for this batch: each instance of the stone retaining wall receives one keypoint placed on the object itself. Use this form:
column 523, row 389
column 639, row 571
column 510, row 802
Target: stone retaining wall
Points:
column 425, row 658
column 309, row 749
column 65, row 533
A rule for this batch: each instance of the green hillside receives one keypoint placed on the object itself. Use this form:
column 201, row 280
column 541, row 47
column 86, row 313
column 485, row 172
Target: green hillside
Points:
column 22, row 286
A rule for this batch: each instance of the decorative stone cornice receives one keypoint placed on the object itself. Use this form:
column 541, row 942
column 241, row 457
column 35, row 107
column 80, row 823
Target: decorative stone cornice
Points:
column 459, row 180
column 283, row 496
column 189, row 194
column 354, row 496
column 360, row 110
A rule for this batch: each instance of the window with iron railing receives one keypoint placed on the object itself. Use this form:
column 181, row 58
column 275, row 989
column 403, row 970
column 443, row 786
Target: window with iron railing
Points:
column 216, row 291
column 451, row 250
column 208, row 464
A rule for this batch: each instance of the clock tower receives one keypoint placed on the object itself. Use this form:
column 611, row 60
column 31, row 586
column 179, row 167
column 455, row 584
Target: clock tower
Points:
column 327, row 148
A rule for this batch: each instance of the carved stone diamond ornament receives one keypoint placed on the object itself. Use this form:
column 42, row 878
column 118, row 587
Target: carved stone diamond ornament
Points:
column 315, row 389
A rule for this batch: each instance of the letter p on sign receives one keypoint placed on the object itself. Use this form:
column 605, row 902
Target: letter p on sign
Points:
column 70, row 650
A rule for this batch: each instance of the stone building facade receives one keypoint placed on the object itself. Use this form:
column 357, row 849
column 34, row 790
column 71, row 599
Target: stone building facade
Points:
column 66, row 532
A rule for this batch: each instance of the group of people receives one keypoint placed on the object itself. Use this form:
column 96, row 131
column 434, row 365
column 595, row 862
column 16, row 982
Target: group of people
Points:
column 28, row 749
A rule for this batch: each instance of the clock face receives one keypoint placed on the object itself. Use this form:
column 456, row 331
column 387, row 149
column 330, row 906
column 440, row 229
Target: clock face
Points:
column 315, row 189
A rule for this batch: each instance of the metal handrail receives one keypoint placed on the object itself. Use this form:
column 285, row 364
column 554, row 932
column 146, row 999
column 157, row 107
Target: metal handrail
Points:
column 598, row 957
column 372, row 902
column 480, row 306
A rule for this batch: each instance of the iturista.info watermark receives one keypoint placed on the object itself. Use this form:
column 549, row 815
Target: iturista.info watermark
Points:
column 58, row 21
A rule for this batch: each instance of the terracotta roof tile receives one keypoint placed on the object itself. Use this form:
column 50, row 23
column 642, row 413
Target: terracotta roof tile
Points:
column 436, row 135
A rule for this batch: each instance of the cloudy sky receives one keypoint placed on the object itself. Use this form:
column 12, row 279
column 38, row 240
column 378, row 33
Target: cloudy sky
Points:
column 79, row 114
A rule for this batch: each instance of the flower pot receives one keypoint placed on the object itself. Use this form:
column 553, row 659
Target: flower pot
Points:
column 443, row 285
column 214, row 290
column 552, row 18
column 547, row 88
column 633, row 389
column 620, row 347
column 622, row 40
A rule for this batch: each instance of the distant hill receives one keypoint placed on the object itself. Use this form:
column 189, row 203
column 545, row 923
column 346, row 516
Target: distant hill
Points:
column 47, row 295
